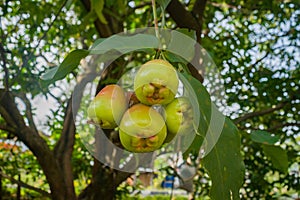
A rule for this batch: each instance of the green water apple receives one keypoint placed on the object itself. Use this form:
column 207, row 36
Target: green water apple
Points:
column 179, row 117
column 156, row 82
column 142, row 129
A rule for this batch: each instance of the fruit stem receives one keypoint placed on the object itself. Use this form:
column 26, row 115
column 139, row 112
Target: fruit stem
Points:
column 163, row 56
column 155, row 19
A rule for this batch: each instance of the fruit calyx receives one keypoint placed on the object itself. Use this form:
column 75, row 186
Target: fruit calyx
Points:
column 142, row 129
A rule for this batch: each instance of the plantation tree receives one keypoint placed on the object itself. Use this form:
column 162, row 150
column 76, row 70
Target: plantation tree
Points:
column 255, row 45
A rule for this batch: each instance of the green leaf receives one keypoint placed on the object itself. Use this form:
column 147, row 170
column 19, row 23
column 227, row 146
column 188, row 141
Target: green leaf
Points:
column 97, row 42
column 225, row 164
column 163, row 3
column 222, row 159
column 111, row 46
column 182, row 45
column 110, row 3
column 50, row 73
column 204, row 102
column 174, row 58
column 125, row 44
column 69, row 4
column 188, row 32
column 97, row 6
column 278, row 157
column 68, row 65
column 263, row 137
column 89, row 18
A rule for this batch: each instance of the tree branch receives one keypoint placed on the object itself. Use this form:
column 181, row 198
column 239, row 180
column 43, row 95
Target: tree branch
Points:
column 25, row 185
column 104, row 30
column 185, row 19
column 259, row 113
column 6, row 73
column 64, row 149
column 52, row 23
column 9, row 129
column 283, row 125
column 28, row 111
column 198, row 13
column 191, row 20
column 31, row 138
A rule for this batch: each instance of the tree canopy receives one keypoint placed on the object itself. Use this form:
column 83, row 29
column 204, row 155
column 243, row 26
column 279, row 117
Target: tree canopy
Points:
column 46, row 64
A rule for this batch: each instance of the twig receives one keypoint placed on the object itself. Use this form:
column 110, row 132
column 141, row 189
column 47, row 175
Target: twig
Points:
column 6, row 76
column 51, row 24
column 222, row 5
column 28, row 111
column 259, row 113
column 198, row 13
column 25, row 185
column 28, row 57
column 283, row 125
column 155, row 19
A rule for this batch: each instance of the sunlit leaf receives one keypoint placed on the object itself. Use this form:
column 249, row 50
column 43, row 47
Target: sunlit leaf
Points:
column 223, row 161
column 225, row 164
column 182, row 45
column 50, row 73
column 263, row 137
column 204, row 102
column 125, row 44
column 68, row 65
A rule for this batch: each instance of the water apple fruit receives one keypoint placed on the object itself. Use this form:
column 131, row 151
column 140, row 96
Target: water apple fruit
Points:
column 179, row 117
column 142, row 129
column 156, row 82
column 108, row 107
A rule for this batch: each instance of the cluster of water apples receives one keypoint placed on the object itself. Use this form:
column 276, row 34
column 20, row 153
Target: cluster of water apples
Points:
column 141, row 126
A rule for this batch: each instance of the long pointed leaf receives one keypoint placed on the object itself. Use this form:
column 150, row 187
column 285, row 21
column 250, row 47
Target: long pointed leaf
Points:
column 67, row 66
column 125, row 44
column 117, row 43
column 220, row 140
column 225, row 165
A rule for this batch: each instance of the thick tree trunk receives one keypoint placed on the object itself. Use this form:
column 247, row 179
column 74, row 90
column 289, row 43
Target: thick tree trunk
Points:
column 104, row 183
column 35, row 143
column 64, row 149
column 19, row 189
column 1, row 191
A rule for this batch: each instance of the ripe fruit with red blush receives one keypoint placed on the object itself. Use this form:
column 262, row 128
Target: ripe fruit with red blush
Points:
column 108, row 107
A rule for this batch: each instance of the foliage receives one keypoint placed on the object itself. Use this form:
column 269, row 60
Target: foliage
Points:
column 255, row 45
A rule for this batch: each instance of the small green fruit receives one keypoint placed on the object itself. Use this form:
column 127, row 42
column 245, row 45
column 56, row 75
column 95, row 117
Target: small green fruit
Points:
column 108, row 107
column 156, row 82
column 142, row 129
column 179, row 117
